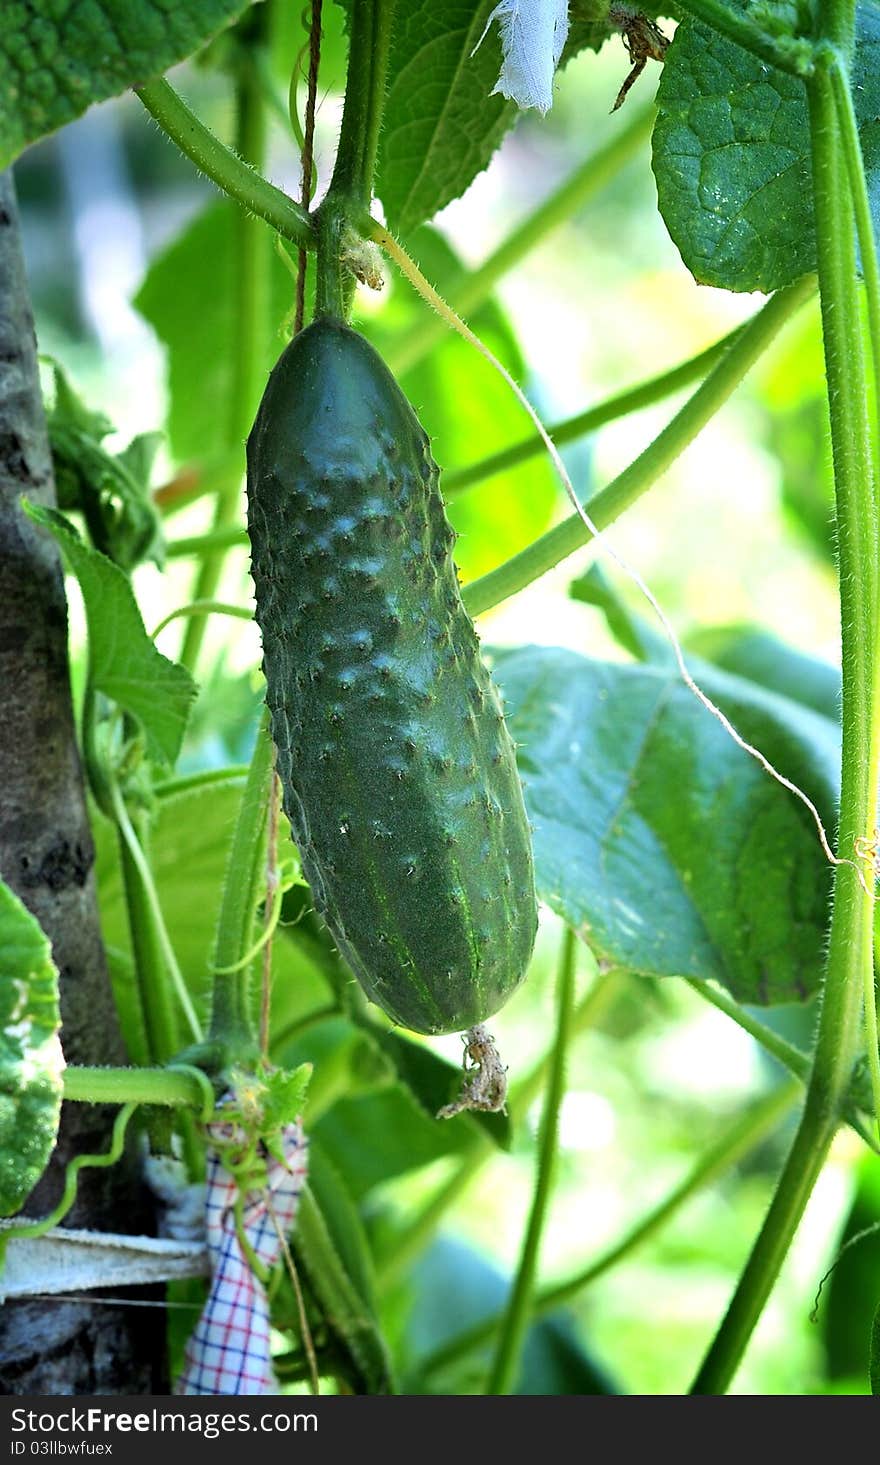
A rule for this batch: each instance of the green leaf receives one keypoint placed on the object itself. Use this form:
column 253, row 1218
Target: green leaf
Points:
column 409, row 1138
column 56, row 59
column 347, row 1313
column 112, row 490
column 452, row 1289
column 759, row 656
column 441, row 124
column 874, row 1359
column 660, row 841
column 123, row 662
column 732, row 156
column 346, row 1060
column 433, row 1082
column 188, row 297
column 31, row 1061
column 849, row 1296
column 462, row 401
column 282, row 1096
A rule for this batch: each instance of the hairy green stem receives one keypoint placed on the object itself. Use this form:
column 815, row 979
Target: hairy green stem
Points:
column 855, row 168
column 250, row 316
column 796, row 1061
column 791, row 54
column 351, row 186
column 364, row 101
column 743, row 1136
column 503, row 1373
column 540, row 556
column 850, row 940
column 166, row 1086
column 633, row 399
column 230, row 172
column 470, row 289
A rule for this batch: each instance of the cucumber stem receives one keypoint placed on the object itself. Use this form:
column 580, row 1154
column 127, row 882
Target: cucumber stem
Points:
column 351, row 187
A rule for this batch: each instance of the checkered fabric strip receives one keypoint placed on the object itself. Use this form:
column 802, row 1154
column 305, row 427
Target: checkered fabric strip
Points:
column 228, row 1351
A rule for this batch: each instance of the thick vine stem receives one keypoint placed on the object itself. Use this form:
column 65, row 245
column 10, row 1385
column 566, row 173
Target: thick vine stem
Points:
column 850, row 941
column 351, row 186
column 170, row 1087
column 223, row 166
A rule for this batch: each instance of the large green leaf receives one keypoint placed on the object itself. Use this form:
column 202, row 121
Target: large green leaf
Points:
column 663, row 843
column 461, row 401
column 442, row 122
column 453, row 1288
column 31, row 1061
column 58, row 58
column 409, row 1138
column 759, row 656
column 188, row 297
column 123, row 662
column 732, row 156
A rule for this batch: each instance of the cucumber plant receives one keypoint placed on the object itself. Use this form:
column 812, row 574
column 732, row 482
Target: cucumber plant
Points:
column 436, row 789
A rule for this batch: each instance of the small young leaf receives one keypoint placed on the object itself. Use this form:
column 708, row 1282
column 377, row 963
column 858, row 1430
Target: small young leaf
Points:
column 112, row 490
column 732, row 156
column 283, row 1096
column 658, row 839
column 55, row 60
column 31, row 1061
column 123, row 662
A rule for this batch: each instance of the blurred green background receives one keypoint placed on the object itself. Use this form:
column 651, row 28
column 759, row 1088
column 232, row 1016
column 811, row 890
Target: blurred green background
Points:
column 737, row 532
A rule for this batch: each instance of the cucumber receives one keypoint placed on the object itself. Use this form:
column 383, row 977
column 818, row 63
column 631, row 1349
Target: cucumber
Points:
column 399, row 775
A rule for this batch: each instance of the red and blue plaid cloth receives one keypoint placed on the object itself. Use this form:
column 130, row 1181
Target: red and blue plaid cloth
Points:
column 229, row 1349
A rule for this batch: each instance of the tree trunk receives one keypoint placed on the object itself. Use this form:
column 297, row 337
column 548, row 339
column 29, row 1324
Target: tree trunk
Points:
column 46, row 857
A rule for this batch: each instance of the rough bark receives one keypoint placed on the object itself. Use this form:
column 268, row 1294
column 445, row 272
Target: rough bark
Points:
column 46, row 856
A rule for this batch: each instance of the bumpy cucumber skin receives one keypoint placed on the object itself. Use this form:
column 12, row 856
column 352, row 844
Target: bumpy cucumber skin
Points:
column 398, row 772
